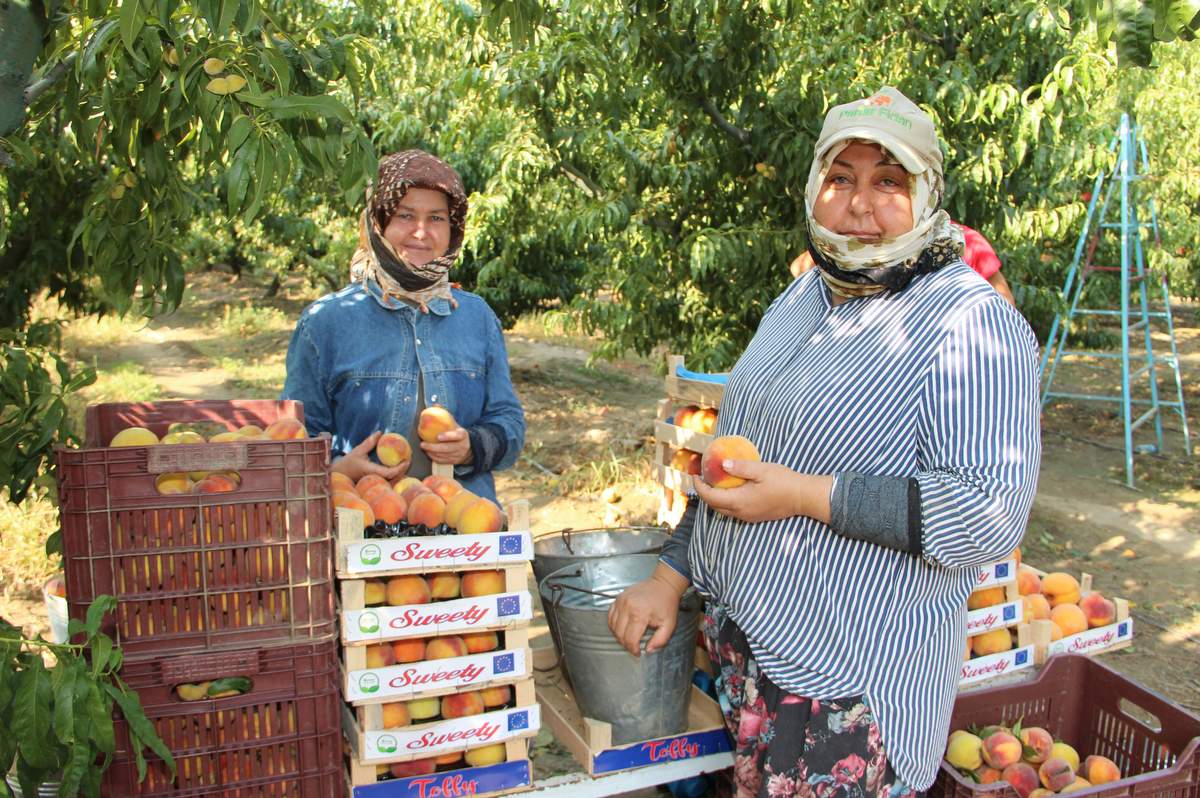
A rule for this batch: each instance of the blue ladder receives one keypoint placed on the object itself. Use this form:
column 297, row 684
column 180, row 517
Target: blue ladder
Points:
column 1123, row 181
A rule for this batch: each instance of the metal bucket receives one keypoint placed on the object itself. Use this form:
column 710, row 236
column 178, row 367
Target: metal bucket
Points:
column 569, row 546
column 641, row 697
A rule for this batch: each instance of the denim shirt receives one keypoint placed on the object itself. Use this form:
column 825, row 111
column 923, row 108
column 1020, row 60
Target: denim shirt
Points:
column 356, row 360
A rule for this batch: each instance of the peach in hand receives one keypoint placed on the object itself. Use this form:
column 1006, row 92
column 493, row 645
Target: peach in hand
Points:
column 392, row 449
column 434, row 420
column 726, row 447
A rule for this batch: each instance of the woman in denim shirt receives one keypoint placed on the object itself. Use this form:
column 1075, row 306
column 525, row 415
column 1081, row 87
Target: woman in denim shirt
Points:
column 367, row 359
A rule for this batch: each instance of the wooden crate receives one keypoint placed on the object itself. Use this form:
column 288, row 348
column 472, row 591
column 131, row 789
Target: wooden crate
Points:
column 1007, row 614
column 590, row 741
column 669, row 437
column 1110, row 637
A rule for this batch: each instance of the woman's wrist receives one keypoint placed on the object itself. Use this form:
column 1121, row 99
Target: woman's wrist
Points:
column 671, row 578
column 811, row 496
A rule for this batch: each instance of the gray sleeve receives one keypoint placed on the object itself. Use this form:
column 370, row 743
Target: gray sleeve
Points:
column 883, row 510
column 675, row 551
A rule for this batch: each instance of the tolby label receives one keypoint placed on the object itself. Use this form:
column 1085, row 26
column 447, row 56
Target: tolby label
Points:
column 488, row 779
column 412, row 679
column 423, row 553
column 441, row 617
column 1094, row 640
column 451, row 735
column 982, row 668
column 998, row 573
column 997, row 617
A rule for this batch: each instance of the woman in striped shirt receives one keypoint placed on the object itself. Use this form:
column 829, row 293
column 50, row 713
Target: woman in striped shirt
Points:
column 893, row 397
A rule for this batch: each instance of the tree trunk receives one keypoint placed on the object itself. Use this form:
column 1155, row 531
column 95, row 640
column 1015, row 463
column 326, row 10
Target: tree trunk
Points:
column 21, row 32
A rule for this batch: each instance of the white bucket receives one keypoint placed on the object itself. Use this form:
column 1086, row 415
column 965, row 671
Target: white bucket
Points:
column 56, row 608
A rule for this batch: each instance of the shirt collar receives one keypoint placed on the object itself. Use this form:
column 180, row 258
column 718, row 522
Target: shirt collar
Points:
column 438, row 305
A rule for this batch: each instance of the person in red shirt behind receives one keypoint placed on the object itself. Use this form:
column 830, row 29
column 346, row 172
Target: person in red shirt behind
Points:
column 977, row 253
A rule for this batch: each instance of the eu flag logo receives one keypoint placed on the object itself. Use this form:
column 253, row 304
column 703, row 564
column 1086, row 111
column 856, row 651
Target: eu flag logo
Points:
column 503, row 663
column 508, row 605
column 510, row 544
column 518, row 721
column 1021, row 658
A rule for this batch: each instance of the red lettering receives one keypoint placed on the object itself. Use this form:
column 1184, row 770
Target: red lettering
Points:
column 983, row 623
column 676, row 748
column 417, row 551
column 432, row 739
column 411, row 676
column 1086, row 644
column 414, row 616
column 997, row 667
column 450, row 787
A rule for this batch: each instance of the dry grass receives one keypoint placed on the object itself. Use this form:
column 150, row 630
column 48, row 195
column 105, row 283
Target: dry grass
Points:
column 24, row 528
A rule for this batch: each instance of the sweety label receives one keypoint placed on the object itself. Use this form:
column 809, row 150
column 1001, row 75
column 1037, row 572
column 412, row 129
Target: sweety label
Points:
column 452, row 735
column 493, row 548
column 406, row 681
column 1094, row 640
column 998, row 573
column 997, row 617
column 441, row 617
column 981, row 668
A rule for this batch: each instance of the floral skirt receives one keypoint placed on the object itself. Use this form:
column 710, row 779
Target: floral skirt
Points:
column 785, row 744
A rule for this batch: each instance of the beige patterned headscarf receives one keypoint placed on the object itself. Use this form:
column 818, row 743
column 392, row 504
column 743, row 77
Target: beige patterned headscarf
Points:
column 377, row 260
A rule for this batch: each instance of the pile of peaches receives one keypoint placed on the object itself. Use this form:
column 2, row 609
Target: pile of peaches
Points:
column 476, row 757
column 435, row 505
column 285, row 429
column 1029, row 759
column 1054, row 597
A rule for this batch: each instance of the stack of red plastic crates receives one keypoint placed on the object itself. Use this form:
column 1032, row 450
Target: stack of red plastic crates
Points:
column 213, row 586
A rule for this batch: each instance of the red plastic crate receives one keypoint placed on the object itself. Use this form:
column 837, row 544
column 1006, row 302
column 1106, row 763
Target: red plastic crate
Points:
column 1096, row 710
column 281, row 738
column 102, row 422
column 199, row 572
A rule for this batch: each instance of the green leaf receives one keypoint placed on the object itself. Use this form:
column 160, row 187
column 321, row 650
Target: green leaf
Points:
column 238, row 131
column 79, row 761
column 310, row 107
column 132, row 17
column 96, row 612
column 1134, row 32
column 32, row 715
column 64, row 699
column 140, row 729
column 101, row 716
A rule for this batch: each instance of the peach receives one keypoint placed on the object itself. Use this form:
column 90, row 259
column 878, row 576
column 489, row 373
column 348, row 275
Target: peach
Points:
column 353, row 502
column 445, row 647
column 1038, row 743
column 387, row 506
column 412, row 650
column 451, row 758
column 1040, row 792
column 183, row 436
column 1022, row 777
column 1067, row 753
column 964, row 750
column 424, row 708
column 987, row 775
column 456, row 505
column 285, row 429
column 683, row 415
column 480, row 516
column 1036, row 607
column 374, row 592
column 492, row 754
column 987, row 597
column 445, row 487
column 403, row 484
column 1001, row 749
column 225, row 437
column 1056, row 773
column 433, row 422
column 249, row 431
column 1100, row 770
column 395, row 714
column 460, row 705
column 134, row 436
column 1060, row 588
column 1028, row 582
column 482, row 583
column 374, row 490
column 443, row 586
column 412, row 492
column 496, row 696
column 479, row 642
column 172, row 484
column 339, row 481
column 1099, row 611
column 726, row 447
column 992, row 642
column 704, row 420
column 426, row 508
column 414, row 767
column 1069, row 618
column 366, row 482
column 215, row 483
column 1076, row 786
column 380, row 656
column 407, row 589
column 392, row 449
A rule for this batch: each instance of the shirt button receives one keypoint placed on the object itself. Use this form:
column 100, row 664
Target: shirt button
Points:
column 418, row 342
column 433, row 398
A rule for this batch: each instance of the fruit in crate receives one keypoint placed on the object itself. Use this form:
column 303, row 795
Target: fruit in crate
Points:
column 415, row 767
column 452, row 758
column 1066, row 753
column 374, row 592
column 1022, row 777
column 228, row 686
column 683, row 416
column 988, row 775
column 408, row 589
column 1036, row 608
column 1100, row 770
column 1038, row 744
column 456, row 505
column 434, row 420
column 480, row 642
column 1099, row 611
column 445, row 647
column 250, row 432
column 380, row 655
column 191, row 691
column 1001, row 749
column 987, row 597
column 426, row 508
column 443, row 586
column 482, row 583
column 445, row 487
column 686, row 460
column 183, row 436
column 173, row 484
column 1069, row 618
column 498, row 696
column 134, row 436
column 227, row 436
column 486, row 755
column 215, row 483
column 480, row 516
column 424, row 708
column 461, row 705
column 368, row 481
column 352, row 501
column 412, row 650
column 726, row 447
column 1076, row 786
column 992, row 642
column 704, row 420
column 339, row 481
column 964, row 750
column 392, row 449
column 1060, row 588
column 1028, row 582
column 395, row 714
column 1056, row 773
column 402, row 485
column 386, row 505
column 285, row 429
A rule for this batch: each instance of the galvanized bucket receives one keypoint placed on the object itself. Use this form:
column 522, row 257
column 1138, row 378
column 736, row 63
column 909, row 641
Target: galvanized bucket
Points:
column 569, row 546
column 641, row 697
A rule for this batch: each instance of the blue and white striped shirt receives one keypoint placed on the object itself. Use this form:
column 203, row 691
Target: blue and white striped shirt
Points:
column 938, row 382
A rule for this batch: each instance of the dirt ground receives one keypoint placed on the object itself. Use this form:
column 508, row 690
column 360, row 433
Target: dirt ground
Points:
column 590, row 441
